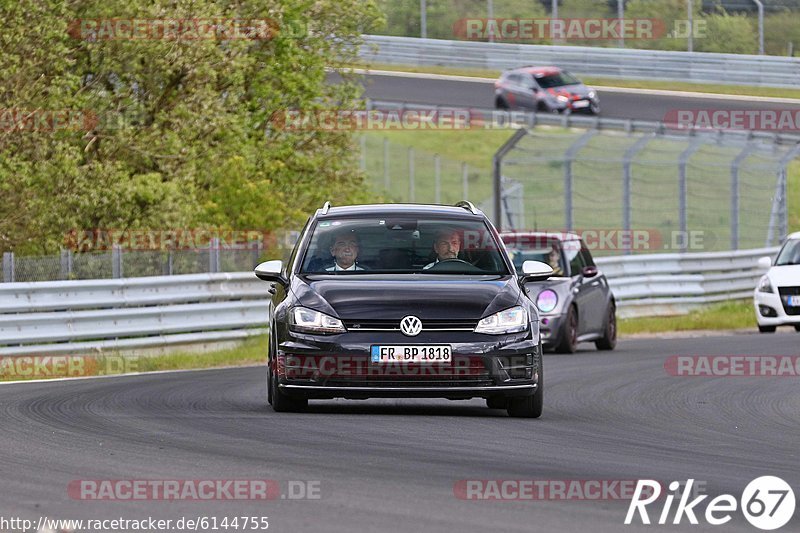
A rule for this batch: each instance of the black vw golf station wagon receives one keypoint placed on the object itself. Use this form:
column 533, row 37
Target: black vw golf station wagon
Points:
column 403, row 301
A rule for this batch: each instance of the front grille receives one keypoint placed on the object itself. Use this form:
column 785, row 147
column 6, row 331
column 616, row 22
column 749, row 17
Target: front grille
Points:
column 785, row 292
column 359, row 372
column 394, row 325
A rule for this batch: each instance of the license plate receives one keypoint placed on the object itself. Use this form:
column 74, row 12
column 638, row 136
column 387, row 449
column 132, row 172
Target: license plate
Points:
column 436, row 353
column 580, row 103
column 793, row 301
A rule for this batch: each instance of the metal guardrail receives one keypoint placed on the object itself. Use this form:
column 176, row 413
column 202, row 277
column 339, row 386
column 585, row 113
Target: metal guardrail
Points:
column 670, row 284
column 97, row 315
column 755, row 70
column 76, row 317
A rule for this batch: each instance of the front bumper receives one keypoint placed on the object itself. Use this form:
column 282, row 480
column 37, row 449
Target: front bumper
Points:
column 551, row 329
column 769, row 303
column 333, row 366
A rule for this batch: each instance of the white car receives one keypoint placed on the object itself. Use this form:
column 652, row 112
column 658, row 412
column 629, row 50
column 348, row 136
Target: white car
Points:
column 777, row 297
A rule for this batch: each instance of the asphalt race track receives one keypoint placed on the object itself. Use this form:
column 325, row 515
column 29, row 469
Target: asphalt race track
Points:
column 614, row 103
column 386, row 465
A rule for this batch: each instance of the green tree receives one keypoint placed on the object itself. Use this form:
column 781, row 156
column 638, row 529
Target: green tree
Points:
column 732, row 34
column 186, row 131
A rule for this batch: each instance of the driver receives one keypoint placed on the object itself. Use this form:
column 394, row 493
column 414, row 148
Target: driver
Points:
column 554, row 260
column 446, row 244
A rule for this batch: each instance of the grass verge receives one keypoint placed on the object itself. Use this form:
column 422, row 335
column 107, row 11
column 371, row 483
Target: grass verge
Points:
column 737, row 314
column 710, row 88
column 252, row 351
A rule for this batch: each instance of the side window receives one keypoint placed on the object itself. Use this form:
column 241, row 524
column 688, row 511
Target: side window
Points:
column 572, row 251
column 587, row 255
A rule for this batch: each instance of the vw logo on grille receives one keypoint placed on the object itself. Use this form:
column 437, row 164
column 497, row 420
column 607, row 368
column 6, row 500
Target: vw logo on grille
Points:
column 411, row 325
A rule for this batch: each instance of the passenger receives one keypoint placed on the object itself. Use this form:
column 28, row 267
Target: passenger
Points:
column 344, row 249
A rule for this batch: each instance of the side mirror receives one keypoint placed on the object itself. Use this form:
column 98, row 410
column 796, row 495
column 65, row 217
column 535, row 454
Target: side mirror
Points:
column 535, row 271
column 271, row 271
column 589, row 271
column 765, row 263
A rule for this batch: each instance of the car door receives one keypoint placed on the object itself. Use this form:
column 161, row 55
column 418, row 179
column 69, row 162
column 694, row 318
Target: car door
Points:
column 596, row 294
column 584, row 290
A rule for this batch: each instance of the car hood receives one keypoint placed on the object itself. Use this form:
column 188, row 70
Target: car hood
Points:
column 785, row 276
column 376, row 297
column 579, row 90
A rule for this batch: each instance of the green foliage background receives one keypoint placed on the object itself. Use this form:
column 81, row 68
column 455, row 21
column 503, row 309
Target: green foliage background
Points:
column 184, row 137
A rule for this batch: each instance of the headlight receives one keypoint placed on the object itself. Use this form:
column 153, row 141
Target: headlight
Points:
column 310, row 321
column 509, row 321
column 592, row 94
column 561, row 98
column 764, row 285
column 547, row 300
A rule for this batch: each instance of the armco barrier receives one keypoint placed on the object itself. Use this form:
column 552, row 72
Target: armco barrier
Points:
column 670, row 284
column 623, row 63
column 133, row 313
column 138, row 313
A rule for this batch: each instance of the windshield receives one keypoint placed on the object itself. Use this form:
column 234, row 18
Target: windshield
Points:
column 402, row 245
column 541, row 249
column 556, row 80
column 790, row 254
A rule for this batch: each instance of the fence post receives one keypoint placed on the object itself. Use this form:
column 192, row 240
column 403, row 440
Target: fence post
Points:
column 363, row 162
column 169, row 263
column 66, row 264
column 116, row 262
column 411, row 193
column 627, row 160
column 386, row 181
column 682, row 191
column 737, row 162
column 8, row 267
column 437, row 166
column 497, row 174
column 213, row 255
column 569, row 157
column 464, row 181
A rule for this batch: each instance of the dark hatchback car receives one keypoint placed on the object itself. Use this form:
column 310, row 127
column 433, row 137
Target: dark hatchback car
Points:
column 575, row 304
column 547, row 89
column 405, row 301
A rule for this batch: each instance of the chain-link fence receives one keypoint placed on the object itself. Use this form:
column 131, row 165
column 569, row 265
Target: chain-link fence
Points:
column 678, row 190
column 119, row 263
column 406, row 174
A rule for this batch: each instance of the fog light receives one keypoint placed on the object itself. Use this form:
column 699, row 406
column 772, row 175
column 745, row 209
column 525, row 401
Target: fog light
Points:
column 766, row 310
column 545, row 321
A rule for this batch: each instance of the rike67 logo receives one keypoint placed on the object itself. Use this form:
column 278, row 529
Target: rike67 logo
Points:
column 767, row 502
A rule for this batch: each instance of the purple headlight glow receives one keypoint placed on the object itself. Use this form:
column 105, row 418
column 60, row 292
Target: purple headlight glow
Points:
column 546, row 301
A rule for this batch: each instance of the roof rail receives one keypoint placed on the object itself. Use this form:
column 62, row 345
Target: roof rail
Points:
column 466, row 204
column 325, row 207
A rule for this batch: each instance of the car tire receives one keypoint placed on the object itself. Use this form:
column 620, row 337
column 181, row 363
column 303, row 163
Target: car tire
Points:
column 500, row 103
column 497, row 402
column 609, row 339
column 797, row 327
column 282, row 403
column 767, row 329
column 569, row 337
column 594, row 109
column 528, row 406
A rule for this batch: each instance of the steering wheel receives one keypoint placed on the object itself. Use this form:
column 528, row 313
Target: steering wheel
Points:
column 459, row 262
